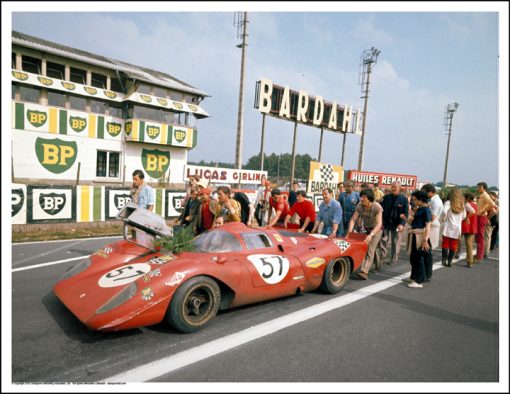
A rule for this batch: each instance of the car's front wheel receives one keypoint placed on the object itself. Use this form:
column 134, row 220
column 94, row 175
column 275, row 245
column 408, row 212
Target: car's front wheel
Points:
column 336, row 275
column 194, row 304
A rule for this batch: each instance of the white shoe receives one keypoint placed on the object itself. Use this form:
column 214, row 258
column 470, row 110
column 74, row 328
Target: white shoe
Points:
column 407, row 280
column 415, row 285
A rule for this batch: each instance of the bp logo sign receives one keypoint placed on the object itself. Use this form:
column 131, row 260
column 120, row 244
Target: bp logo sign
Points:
column 52, row 203
column 56, row 155
column 77, row 124
column 155, row 162
column 68, row 85
column 120, row 200
column 128, row 127
column 179, row 135
column 18, row 198
column 36, row 118
column 146, row 98
column 45, row 81
column 113, row 128
column 163, row 102
column 152, row 131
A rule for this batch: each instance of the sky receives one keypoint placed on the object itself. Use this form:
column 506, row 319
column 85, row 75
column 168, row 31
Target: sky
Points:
column 428, row 59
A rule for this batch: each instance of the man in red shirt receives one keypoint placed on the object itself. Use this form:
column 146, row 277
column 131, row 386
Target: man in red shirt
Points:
column 305, row 210
column 280, row 205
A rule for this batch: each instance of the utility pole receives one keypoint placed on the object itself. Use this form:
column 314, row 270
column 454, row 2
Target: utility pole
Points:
column 369, row 58
column 448, row 119
column 241, row 22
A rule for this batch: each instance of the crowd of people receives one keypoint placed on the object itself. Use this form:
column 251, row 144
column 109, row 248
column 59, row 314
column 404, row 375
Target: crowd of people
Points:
column 384, row 216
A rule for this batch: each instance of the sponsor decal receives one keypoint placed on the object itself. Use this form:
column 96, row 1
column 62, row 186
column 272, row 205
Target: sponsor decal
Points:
column 128, row 127
column 192, row 107
column 110, row 94
column 36, row 118
column 104, row 252
column 175, row 279
column 90, row 90
column 19, row 75
column 68, row 85
column 315, row 262
column 123, row 275
column 45, row 81
column 120, row 200
column 271, row 268
column 146, row 98
column 277, row 237
column 52, row 203
column 155, row 162
column 152, row 131
column 77, row 123
column 17, row 200
column 320, row 236
column 56, row 155
column 113, row 128
column 294, row 240
column 342, row 244
column 162, row 259
column 177, row 105
column 162, row 101
column 179, row 135
column 147, row 294
column 151, row 274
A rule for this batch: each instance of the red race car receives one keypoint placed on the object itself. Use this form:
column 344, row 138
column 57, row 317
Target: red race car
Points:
column 129, row 284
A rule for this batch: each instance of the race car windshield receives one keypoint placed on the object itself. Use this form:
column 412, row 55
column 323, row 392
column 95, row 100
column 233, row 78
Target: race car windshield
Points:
column 217, row 241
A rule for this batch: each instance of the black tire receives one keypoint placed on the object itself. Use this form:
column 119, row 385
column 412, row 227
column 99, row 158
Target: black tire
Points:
column 194, row 304
column 336, row 275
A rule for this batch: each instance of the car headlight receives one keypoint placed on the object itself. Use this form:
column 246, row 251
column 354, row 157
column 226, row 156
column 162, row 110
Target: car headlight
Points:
column 119, row 298
column 80, row 267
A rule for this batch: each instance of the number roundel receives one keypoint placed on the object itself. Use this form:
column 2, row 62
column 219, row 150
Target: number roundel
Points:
column 123, row 275
column 271, row 268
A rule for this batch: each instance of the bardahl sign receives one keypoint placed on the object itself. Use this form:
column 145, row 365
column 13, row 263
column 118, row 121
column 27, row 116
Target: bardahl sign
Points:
column 384, row 180
column 281, row 102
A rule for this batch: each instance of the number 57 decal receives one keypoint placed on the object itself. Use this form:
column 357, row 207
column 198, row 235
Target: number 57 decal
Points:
column 123, row 275
column 271, row 268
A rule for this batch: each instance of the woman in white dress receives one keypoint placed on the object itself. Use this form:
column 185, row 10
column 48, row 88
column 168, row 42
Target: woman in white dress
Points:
column 453, row 215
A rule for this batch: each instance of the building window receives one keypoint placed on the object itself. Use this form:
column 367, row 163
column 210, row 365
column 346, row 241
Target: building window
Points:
column 56, row 99
column 76, row 102
column 107, row 164
column 98, row 81
column 160, row 92
column 115, row 110
column 54, row 70
column 31, row 64
column 144, row 89
column 13, row 90
column 116, row 85
column 98, row 107
column 78, row 75
column 13, row 63
column 176, row 96
column 29, row 94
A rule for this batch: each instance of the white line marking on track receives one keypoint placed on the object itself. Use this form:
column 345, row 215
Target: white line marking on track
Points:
column 171, row 363
column 62, row 240
column 493, row 258
column 50, row 263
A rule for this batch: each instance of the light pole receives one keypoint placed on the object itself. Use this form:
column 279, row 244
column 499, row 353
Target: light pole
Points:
column 278, row 169
column 241, row 21
column 450, row 110
column 368, row 60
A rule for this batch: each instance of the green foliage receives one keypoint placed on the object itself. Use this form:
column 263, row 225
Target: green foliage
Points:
column 279, row 166
column 182, row 241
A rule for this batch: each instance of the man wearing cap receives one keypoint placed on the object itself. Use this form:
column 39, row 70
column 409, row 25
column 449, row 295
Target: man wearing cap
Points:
column 207, row 210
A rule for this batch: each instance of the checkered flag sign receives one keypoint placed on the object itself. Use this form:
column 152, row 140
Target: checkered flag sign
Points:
column 327, row 173
column 342, row 244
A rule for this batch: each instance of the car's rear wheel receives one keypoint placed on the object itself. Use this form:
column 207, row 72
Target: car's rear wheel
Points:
column 336, row 275
column 194, row 304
